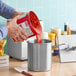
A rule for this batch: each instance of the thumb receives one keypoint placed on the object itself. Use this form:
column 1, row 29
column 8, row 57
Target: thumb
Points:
column 22, row 13
column 16, row 18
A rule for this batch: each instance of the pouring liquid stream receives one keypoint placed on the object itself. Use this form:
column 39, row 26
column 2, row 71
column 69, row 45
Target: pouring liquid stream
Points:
column 38, row 37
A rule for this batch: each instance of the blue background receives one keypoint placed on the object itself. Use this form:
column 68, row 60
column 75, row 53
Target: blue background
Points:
column 53, row 12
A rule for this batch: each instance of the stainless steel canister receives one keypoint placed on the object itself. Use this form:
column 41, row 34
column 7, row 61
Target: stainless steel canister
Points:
column 39, row 55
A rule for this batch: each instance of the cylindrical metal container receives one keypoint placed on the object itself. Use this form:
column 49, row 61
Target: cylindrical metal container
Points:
column 39, row 55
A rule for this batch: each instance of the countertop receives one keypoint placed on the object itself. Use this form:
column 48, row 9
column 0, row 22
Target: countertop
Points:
column 58, row 69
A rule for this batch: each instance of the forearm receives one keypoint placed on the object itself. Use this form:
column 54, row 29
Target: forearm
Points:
column 6, row 11
column 3, row 31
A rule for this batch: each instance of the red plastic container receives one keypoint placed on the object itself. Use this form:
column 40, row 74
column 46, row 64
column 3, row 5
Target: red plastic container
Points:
column 30, row 23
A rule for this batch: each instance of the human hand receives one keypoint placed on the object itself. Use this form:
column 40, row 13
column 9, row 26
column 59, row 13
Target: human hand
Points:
column 17, row 13
column 15, row 31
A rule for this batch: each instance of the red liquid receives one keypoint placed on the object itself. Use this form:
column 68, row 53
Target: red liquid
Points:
column 38, row 37
column 36, row 26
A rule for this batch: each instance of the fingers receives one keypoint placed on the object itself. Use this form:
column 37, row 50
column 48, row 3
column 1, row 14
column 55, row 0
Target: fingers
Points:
column 20, row 35
column 17, row 13
column 24, row 33
column 18, row 39
column 16, row 18
column 23, row 37
column 22, row 13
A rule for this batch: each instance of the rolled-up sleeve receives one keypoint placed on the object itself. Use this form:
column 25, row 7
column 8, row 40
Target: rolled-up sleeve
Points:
column 6, row 11
column 3, row 31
